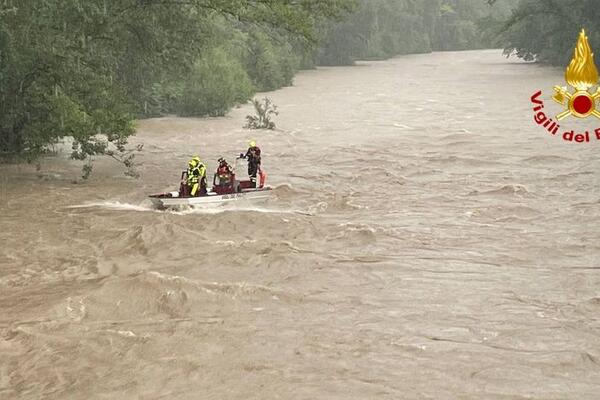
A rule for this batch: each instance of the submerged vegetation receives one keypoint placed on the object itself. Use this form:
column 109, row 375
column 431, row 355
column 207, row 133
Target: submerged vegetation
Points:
column 87, row 69
column 265, row 110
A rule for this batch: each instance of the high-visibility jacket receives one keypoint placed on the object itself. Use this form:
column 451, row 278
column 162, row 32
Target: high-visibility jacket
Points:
column 195, row 174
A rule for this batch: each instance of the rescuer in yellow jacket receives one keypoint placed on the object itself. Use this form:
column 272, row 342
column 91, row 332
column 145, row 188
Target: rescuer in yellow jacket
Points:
column 196, row 177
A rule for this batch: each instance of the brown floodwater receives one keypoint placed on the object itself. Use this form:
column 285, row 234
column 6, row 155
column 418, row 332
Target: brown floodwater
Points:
column 425, row 240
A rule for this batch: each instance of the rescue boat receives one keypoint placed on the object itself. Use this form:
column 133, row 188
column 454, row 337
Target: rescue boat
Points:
column 221, row 193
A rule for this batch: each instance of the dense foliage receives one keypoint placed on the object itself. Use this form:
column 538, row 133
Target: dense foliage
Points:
column 87, row 69
column 546, row 30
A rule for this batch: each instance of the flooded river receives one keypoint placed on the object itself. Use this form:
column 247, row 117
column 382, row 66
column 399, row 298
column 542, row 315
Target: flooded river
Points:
column 425, row 240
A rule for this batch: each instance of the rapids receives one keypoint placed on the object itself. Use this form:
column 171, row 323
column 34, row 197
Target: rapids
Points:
column 426, row 240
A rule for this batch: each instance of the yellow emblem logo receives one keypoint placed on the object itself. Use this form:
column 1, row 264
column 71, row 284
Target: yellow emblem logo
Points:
column 581, row 75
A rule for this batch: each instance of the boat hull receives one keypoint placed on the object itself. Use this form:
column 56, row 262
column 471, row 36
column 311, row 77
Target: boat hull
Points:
column 211, row 199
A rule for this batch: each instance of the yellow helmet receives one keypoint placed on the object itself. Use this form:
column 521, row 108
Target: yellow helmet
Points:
column 252, row 143
column 195, row 161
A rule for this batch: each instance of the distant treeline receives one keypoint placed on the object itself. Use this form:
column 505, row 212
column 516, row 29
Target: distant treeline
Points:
column 88, row 68
column 380, row 29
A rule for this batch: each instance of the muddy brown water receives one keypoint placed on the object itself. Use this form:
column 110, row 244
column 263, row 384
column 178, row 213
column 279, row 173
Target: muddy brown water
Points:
column 425, row 240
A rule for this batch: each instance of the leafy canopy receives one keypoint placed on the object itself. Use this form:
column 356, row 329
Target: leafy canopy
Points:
column 83, row 68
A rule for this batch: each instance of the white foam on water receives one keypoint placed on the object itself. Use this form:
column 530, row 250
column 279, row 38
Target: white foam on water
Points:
column 402, row 126
column 231, row 208
column 115, row 205
column 213, row 210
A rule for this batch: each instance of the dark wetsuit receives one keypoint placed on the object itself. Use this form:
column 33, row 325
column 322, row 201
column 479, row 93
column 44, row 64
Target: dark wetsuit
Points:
column 253, row 156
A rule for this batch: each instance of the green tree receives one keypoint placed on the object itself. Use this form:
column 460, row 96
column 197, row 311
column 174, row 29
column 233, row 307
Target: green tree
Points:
column 547, row 30
column 86, row 68
column 217, row 83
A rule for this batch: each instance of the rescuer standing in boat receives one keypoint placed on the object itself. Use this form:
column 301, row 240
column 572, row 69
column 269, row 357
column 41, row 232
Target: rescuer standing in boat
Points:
column 196, row 177
column 253, row 157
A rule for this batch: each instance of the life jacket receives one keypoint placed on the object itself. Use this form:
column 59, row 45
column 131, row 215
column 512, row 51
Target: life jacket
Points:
column 253, row 154
column 194, row 174
column 224, row 172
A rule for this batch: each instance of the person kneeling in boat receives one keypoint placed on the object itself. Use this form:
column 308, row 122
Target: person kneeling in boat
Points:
column 224, row 173
column 253, row 157
column 196, row 177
